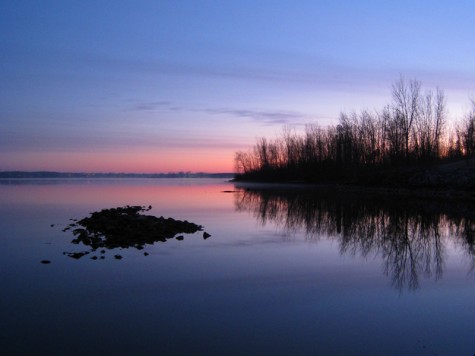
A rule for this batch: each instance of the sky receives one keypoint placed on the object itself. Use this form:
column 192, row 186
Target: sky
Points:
column 167, row 86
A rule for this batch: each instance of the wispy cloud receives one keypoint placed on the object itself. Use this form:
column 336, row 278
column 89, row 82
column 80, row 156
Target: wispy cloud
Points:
column 293, row 69
column 315, row 72
column 154, row 105
column 262, row 116
column 150, row 105
column 267, row 117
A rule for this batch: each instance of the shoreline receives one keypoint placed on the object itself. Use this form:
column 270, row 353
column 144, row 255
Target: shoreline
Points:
column 359, row 190
column 446, row 180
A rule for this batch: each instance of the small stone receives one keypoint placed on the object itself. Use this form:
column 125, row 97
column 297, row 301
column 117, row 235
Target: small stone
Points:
column 118, row 257
column 76, row 255
column 94, row 258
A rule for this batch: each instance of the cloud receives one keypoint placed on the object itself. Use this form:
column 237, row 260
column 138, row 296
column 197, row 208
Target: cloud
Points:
column 314, row 71
column 267, row 117
column 150, row 105
column 284, row 68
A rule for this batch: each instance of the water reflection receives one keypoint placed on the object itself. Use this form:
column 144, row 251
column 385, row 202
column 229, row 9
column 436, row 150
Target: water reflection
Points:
column 410, row 235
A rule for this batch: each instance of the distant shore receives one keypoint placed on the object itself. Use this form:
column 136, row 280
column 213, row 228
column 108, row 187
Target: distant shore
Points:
column 48, row 174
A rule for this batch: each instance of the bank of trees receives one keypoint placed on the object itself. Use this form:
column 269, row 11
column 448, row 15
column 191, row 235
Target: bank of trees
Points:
column 412, row 130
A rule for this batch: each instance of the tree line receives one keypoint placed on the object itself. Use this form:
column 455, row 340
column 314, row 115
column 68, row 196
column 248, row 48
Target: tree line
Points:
column 413, row 129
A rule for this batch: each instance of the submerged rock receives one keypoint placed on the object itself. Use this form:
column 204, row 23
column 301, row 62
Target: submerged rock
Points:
column 125, row 227
column 76, row 255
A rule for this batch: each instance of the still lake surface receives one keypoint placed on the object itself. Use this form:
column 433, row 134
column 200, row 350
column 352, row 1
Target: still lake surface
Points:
column 282, row 273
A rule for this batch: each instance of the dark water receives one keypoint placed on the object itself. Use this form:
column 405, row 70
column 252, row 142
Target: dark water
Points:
column 283, row 273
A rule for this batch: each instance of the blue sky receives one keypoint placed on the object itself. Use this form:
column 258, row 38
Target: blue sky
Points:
column 157, row 86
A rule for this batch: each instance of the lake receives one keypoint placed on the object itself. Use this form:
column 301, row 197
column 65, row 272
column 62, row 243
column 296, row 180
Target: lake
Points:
column 285, row 271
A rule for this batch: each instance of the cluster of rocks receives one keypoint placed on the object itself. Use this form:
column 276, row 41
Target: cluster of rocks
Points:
column 125, row 227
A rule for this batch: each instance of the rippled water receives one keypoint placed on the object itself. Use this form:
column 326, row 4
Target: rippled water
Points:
column 284, row 272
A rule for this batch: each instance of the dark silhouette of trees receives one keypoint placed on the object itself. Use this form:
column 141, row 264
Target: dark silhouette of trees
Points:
column 409, row 131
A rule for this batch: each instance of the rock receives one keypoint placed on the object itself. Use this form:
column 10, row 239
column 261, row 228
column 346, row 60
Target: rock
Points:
column 206, row 235
column 45, row 262
column 125, row 227
column 76, row 255
column 94, row 258
column 118, row 257
column 145, row 253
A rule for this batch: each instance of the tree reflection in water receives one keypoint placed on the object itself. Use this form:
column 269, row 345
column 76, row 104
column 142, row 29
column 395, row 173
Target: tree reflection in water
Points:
column 410, row 235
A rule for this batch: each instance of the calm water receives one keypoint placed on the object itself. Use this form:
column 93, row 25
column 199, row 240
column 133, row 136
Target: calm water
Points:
column 292, row 273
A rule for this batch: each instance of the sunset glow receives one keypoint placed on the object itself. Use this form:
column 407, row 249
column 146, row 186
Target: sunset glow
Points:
column 146, row 161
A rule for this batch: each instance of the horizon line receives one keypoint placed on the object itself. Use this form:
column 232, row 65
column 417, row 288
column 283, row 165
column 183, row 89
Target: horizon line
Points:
column 47, row 172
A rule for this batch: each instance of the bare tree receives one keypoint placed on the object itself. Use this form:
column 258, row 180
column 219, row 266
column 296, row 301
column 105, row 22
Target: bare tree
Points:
column 468, row 135
column 262, row 152
column 406, row 107
column 440, row 119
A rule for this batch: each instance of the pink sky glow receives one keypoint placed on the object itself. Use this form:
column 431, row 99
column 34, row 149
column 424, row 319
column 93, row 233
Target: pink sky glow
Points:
column 198, row 160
